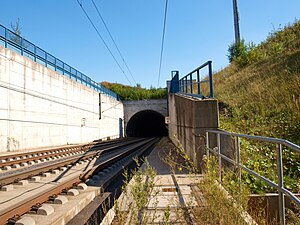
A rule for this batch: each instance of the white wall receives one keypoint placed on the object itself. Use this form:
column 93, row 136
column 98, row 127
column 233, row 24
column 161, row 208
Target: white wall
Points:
column 40, row 107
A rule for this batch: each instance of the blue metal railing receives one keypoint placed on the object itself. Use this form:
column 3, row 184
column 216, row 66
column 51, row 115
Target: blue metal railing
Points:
column 190, row 84
column 11, row 40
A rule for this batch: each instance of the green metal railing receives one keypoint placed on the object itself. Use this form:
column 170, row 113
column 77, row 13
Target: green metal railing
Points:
column 11, row 40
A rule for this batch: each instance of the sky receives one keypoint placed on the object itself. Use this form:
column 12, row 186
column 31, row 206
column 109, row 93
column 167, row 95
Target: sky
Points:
column 196, row 31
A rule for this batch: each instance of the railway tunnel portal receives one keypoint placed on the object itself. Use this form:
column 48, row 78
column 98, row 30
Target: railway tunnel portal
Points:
column 145, row 118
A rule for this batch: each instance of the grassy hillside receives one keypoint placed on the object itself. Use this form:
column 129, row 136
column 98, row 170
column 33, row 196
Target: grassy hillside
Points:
column 259, row 94
column 135, row 93
column 260, row 90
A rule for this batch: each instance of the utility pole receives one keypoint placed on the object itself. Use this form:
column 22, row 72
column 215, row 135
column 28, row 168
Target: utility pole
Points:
column 236, row 22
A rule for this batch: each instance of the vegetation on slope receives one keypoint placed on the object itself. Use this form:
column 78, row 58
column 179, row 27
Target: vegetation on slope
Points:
column 260, row 89
column 259, row 94
column 135, row 93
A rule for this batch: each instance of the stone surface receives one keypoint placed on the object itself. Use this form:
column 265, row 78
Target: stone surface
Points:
column 25, row 221
column 73, row 192
column 60, row 200
column 6, row 168
column 46, row 174
column 55, row 171
column 22, row 182
column 81, row 186
column 35, row 178
column 7, row 187
column 45, row 209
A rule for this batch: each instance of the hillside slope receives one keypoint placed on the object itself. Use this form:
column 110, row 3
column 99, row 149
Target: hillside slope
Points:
column 259, row 92
column 135, row 93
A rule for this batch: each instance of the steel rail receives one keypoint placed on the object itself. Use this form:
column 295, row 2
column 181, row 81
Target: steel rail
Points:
column 27, row 205
column 30, row 172
column 42, row 154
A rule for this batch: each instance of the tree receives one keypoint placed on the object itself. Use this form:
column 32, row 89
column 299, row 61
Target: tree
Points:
column 17, row 30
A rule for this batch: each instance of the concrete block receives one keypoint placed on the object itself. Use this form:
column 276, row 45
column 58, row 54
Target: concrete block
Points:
column 6, row 168
column 55, row 171
column 7, row 187
column 37, row 161
column 81, row 186
column 22, row 182
column 60, row 200
column 46, row 174
column 2, row 160
column 24, row 164
column 73, row 192
column 35, row 178
column 15, row 166
column 25, row 221
column 63, row 168
column 31, row 163
column 45, row 209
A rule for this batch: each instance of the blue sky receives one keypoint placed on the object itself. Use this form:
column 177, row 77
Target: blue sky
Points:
column 196, row 31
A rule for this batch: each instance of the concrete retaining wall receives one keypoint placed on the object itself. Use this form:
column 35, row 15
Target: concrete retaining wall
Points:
column 40, row 107
column 189, row 120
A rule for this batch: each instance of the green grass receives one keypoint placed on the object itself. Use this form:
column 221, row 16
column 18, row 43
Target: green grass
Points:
column 136, row 93
column 259, row 94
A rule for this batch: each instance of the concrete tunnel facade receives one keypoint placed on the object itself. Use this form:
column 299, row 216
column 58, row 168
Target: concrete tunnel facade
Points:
column 146, row 123
column 145, row 118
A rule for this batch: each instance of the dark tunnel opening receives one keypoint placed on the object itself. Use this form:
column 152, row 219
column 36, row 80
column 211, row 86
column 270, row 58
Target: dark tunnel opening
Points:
column 147, row 123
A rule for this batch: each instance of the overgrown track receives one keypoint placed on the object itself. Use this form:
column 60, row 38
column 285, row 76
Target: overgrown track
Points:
column 74, row 169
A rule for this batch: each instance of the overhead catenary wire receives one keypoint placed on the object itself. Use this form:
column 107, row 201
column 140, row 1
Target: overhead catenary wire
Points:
column 100, row 36
column 113, row 40
column 162, row 42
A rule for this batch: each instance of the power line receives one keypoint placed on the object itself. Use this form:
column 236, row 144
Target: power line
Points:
column 162, row 42
column 80, row 4
column 106, row 27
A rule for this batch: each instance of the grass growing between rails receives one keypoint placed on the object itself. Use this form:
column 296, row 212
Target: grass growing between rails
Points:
column 218, row 206
column 137, row 92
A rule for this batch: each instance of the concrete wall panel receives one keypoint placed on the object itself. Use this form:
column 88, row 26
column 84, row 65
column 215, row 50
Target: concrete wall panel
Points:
column 189, row 120
column 40, row 107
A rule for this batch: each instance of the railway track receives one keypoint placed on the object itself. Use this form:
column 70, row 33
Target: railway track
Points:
column 89, row 167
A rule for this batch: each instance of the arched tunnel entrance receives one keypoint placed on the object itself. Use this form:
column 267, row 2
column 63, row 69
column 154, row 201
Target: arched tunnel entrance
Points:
column 147, row 123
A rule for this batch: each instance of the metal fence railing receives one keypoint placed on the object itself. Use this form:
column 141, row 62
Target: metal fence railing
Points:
column 191, row 83
column 236, row 161
column 11, row 40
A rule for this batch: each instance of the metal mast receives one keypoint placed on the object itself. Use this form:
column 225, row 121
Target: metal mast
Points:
column 236, row 22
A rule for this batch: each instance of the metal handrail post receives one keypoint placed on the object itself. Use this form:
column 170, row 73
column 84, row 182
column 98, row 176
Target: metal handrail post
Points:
column 211, row 86
column 198, row 82
column 5, row 33
column 207, row 145
column 219, row 157
column 22, row 50
column 280, row 184
column 238, row 160
column 191, row 83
